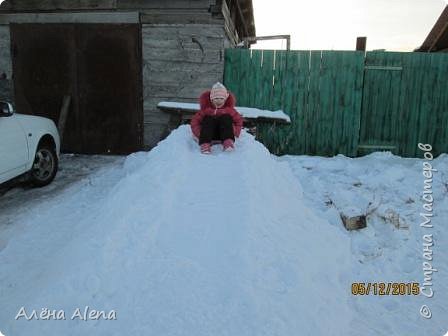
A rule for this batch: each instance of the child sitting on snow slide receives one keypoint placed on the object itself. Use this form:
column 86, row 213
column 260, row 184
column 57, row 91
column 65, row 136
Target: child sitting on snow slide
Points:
column 217, row 119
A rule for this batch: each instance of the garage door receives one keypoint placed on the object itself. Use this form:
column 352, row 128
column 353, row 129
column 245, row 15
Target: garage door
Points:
column 98, row 65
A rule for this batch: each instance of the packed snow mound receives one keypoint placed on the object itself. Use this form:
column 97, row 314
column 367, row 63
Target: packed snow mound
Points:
column 183, row 244
column 389, row 189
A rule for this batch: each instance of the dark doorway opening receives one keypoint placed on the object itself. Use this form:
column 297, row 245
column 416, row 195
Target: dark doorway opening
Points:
column 99, row 66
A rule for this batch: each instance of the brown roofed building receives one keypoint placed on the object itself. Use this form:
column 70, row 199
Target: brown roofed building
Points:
column 116, row 60
column 437, row 40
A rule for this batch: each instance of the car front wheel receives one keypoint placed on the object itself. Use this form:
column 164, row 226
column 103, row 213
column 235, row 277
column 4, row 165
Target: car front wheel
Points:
column 45, row 166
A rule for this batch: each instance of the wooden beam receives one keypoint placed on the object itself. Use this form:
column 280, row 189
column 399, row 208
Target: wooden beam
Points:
column 217, row 7
column 441, row 32
column 388, row 147
column 254, row 39
column 49, row 5
column 361, row 43
column 157, row 4
column 241, row 17
column 85, row 17
column 380, row 67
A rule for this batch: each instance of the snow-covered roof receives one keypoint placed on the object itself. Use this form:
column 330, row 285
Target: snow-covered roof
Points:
column 246, row 112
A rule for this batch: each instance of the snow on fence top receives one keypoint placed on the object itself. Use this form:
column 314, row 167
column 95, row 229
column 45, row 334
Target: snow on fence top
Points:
column 246, row 112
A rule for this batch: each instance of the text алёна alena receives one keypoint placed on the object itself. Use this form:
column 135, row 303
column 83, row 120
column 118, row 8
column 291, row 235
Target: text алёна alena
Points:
column 85, row 314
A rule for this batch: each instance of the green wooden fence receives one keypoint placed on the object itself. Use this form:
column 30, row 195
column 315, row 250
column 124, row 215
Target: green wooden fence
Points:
column 345, row 102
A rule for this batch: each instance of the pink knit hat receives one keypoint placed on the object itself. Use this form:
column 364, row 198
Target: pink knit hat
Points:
column 218, row 91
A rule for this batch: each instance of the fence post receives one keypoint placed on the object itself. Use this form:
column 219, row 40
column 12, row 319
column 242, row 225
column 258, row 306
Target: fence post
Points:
column 361, row 43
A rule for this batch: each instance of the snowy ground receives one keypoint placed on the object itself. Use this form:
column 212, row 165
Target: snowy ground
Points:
column 241, row 243
column 389, row 189
column 18, row 198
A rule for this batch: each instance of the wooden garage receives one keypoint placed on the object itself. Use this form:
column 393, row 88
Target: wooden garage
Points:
column 115, row 59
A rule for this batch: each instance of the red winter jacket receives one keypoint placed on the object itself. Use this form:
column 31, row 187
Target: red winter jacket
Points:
column 208, row 109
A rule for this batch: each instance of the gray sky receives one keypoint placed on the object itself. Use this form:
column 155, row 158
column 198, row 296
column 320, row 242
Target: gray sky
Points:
column 394, row 25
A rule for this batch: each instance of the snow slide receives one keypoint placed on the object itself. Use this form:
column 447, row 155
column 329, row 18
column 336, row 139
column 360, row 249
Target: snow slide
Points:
column 181, row 244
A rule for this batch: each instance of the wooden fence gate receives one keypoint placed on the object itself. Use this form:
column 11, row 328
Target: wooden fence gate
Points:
column 345, row 102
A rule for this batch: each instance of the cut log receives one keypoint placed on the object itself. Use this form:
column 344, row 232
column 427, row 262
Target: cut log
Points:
column 354, row 223
column 353, row 218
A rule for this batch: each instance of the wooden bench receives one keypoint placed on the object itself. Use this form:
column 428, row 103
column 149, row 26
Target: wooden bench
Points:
column 182, row 113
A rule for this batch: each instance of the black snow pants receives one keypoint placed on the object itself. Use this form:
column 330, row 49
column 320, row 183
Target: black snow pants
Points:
column 216, row 128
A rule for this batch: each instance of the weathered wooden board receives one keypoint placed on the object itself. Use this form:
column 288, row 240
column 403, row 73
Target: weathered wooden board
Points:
column 186, row 42
column 229, row 25
column 191, row 55
column 132, row 4
column 170, row 66
column 232, row 70
column 203, row 30
column 172, row 16
column 174, row 90
column 320, row 91
column 341, row 74
column 180, row 61
column 84, row 17
column 106, row 4
column 36, row 5
column 254, row 78
column 185, row 78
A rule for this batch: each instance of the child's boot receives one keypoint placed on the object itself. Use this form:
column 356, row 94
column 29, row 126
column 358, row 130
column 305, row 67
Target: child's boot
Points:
column 206, row 148
column 228, row 145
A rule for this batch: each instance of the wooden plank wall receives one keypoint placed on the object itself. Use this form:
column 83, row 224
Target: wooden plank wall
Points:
column 320, row 91
column 6, row 92
column 183, row 44
column 35, row 5
column 180, row 61
column 229, row 26
column 341, row 101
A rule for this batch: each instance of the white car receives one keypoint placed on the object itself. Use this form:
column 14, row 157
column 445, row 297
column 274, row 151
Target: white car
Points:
column 29, row 146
